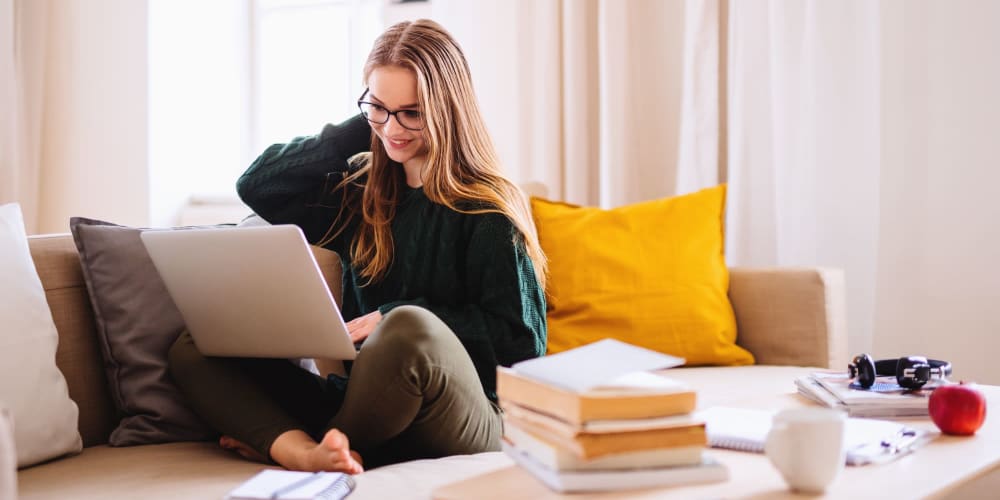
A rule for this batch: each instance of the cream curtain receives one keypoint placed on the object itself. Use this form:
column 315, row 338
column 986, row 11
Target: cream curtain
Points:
column 604, row 102
column 853, row 134
column 804, row 165
column 612, row 102
column 22, row 86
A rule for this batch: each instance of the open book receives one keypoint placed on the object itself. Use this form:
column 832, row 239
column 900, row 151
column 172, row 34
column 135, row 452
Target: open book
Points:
column 867, row 441
column 605, row 380
column 593, row 365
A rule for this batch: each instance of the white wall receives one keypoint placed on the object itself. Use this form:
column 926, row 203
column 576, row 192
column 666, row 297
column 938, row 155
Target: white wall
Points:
column 938, row 287
column 394, row 12
column 94, row 136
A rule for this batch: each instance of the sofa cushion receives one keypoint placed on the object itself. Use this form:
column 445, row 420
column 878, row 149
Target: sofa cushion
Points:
column 205, row 471
column 31, row 386
column 137, row 322
column 79, row 355
column 651, row 274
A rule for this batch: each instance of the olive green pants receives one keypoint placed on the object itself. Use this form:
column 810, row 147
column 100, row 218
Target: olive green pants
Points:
column 413, row 393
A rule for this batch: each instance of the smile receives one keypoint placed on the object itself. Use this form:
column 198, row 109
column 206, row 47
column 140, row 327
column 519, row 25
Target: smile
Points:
column 398, row 144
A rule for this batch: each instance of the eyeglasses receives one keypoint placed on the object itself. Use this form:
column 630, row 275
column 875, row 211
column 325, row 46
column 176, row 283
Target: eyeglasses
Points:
column 410, row 119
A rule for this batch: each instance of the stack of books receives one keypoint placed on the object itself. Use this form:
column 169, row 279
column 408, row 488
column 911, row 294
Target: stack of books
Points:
column 636, row 431
column 885, row 399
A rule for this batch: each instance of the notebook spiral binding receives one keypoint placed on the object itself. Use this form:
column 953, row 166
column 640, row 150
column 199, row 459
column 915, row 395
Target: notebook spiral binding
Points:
column 338, row 489
column 738, row 444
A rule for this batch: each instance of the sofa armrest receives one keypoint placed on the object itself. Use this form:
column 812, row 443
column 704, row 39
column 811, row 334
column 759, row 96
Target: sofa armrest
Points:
column 329, row 265
column 791, row 316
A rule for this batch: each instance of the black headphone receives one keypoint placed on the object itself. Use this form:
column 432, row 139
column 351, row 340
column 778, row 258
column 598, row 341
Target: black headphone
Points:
column 911, row 372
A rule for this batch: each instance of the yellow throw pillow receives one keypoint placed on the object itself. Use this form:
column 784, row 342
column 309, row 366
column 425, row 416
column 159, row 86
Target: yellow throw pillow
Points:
column 651, row 274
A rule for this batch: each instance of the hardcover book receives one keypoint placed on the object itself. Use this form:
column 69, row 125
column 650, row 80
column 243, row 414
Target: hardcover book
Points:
column 707, row 471
column 553, row 456
column 569, row 429
column 637, row 395
column 589, row 445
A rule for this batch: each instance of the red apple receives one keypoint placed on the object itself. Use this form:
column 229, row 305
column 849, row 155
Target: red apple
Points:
column 957, row 409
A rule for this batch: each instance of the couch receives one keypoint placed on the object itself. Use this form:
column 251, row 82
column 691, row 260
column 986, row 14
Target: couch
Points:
column 786, row 317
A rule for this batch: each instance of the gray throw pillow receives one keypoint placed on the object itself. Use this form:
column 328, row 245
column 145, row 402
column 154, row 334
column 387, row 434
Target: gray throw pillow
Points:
column 137, row 322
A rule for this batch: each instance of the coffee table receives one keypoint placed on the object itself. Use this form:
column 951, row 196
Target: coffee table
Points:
column 948, row 467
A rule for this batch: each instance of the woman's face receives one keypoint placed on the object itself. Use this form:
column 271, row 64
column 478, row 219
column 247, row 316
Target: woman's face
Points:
column 395, row 88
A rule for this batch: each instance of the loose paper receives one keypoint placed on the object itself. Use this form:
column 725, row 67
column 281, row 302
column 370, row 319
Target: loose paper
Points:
column 594, row 364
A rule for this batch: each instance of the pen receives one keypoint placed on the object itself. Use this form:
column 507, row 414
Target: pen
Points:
column 901, row 443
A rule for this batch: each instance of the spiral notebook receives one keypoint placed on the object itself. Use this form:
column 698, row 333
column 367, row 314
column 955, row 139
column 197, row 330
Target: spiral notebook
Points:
column 292, row 485
column 867, row 440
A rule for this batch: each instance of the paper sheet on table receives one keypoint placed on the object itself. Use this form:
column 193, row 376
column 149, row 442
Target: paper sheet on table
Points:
column 594, row 364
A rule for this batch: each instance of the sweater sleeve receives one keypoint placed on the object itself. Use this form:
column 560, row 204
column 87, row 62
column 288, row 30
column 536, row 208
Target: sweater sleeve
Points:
column 503, row 321
column 291, row 183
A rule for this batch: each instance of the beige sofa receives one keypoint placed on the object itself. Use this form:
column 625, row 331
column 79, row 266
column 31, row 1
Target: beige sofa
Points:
column 786, row 317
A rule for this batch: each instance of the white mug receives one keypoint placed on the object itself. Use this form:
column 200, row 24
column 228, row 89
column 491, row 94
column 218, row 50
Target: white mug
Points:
column 8, row 456
column 807, row 446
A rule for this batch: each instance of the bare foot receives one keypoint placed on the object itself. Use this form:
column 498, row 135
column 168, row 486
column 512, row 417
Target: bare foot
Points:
column 295, row 450
column 243, row 449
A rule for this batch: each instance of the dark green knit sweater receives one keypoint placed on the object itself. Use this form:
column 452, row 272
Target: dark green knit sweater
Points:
column 472, row 271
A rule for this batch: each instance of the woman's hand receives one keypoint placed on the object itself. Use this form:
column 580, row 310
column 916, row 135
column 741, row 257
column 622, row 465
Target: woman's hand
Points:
column 360, row 328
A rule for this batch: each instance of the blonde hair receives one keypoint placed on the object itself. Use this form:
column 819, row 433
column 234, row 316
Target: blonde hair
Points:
column 463, row 170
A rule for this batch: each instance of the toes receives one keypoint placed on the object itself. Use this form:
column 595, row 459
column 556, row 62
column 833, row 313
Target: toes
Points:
column 335, row 440
column 348, row 465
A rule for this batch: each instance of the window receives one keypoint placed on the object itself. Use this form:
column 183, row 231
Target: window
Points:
column 306, row 61
column 228, row 78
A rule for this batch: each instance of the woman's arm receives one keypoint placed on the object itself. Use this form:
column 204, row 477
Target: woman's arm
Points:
column 287, row 183
column 503, row 320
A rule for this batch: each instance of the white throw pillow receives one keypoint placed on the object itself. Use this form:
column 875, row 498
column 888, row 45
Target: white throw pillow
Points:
column 8, row 457
column 31, row 386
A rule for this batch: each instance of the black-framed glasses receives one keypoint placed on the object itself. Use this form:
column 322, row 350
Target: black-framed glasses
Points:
column 410, row 119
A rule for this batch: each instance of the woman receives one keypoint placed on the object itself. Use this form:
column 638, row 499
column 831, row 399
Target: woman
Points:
column 443, row 277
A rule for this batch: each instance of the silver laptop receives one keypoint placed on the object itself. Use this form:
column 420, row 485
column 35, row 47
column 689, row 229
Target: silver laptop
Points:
column 250, row 292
